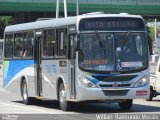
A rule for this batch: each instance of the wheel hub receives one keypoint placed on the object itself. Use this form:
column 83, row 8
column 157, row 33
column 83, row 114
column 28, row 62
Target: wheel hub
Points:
column 62, row 96
column 25, row 92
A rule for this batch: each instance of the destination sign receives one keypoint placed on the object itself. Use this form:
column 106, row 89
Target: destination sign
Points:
column 111, row 24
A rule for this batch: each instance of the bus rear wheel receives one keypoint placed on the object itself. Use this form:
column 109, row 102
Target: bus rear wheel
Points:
column 62, row 98
column 26, row 99
column 126, row 105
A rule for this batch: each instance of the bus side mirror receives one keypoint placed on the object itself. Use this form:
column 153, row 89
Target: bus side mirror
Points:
column 76, row 43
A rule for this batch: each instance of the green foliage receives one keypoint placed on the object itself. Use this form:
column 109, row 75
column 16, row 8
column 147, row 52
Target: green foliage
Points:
column 4, row 21
column 151, row 20
column 152, row 31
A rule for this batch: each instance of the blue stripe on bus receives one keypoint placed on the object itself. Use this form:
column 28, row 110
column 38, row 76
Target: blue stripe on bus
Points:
column 11, row 68
column 94, row 80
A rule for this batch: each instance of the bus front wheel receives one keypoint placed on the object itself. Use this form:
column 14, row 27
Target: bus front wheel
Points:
column 62, row 98
column 152, row 92
column 126, row 105
column 26, row 99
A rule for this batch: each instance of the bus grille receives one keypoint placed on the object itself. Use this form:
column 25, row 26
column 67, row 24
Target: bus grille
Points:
column 119, row 85
column 115, row 78
column 115, row 92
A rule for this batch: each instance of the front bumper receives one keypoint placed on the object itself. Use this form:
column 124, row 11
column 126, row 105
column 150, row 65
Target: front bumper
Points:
column 85, row 94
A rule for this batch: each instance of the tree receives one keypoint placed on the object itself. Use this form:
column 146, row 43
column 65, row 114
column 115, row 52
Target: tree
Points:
column 152, row 31
column 4, row 21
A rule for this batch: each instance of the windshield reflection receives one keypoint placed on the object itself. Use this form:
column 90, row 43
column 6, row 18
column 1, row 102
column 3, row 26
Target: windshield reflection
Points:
column 96, row 54
column 113, row 51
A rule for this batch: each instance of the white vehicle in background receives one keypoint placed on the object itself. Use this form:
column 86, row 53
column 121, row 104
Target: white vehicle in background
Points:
column 155, row 76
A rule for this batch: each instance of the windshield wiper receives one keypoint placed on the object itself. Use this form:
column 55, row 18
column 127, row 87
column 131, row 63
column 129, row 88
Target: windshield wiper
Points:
column 125, row 40
column 99, row 39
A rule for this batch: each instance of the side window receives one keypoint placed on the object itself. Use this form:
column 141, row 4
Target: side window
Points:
column 8, row 46
column 62, row 42
column 49, row 43
column 18, row 45
column 28, row 44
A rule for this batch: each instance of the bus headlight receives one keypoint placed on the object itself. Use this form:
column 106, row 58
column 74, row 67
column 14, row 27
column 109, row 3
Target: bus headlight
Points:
column 142, row 82
column 86, row 82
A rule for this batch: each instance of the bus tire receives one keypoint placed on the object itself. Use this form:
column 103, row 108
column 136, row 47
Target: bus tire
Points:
column 62, row 98
column 24, row 90
column 151, row 95
column 126, row 105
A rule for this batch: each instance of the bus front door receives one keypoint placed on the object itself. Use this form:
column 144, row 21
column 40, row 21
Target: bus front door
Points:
column 72, row 67
column 37, row 55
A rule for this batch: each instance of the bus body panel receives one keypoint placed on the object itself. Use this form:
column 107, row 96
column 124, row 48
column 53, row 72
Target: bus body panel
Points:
column 88, row 94
column 14, row 71
column 51, row 72
column 105, row 93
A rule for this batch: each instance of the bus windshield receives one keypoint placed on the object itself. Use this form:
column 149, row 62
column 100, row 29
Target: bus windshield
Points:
column 118, row 51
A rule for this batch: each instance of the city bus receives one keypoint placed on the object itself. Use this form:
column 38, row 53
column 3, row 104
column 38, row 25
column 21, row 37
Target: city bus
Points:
column 93, row 57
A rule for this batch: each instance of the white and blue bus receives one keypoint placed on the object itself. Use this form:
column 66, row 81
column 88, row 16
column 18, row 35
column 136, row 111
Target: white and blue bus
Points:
column 90, row 57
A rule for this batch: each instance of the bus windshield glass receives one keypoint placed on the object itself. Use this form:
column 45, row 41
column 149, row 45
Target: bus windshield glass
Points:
column 116, row 51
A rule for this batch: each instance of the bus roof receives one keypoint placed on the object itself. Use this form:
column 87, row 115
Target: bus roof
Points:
column 41, row 24
column 61, row 22
column 109, row 15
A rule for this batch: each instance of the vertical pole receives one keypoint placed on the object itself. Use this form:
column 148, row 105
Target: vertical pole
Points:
column 57, row 9
column 155, row 28
column 65, row 8
column 77, row 8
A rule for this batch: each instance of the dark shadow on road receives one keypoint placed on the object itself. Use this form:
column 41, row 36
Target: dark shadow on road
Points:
column 90, row 108
column 45, row 103
column 155, row 101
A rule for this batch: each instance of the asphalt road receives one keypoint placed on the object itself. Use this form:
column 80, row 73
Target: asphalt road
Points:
column 12, row 104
